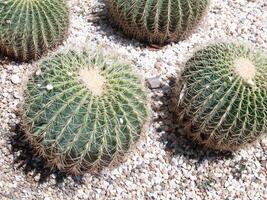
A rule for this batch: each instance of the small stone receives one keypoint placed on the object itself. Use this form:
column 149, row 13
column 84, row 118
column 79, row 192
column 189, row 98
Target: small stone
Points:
column 166, row 89
column 4, row 94
column 158, row 64
column 16, row 95
column 15, row 79
column 153, row 82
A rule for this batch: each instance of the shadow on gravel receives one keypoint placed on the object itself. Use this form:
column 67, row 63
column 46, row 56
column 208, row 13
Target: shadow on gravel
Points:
column 175, row 140
column 25, row 160
column 101, row 21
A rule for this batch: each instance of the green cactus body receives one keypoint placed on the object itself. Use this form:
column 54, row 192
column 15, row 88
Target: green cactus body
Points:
column 155, row 21
column 29, row 28
column 223, row 103
column 84, row 112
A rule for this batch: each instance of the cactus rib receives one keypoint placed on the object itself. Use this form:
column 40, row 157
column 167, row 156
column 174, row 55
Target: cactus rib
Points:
column 224, row 96
column 29, row 28
column 76, row 128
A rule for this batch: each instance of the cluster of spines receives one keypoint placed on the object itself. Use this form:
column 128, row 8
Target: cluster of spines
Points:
column 75, row 130
column 217, row 107
column 29, row 28
column 156, row 21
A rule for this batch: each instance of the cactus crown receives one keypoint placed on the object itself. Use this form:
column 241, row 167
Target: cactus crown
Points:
column 29, row 28
column 225, row 96
column 84, row 111
column 156, row 21
column 244, row 68
column 93, row 80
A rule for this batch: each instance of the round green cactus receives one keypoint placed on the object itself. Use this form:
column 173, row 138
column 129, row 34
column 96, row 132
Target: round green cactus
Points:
column 83, row 111
column 29, row 28
column 157, row 22
column 223, row 96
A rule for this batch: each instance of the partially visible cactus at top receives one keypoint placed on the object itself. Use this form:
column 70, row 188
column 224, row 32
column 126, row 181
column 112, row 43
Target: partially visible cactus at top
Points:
column 29, row 28
column 84, row 111
column 223, row 96
column 155, row 21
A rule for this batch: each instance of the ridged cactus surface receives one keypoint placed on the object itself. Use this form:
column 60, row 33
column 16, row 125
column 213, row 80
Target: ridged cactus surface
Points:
column 84, row 111
column 223, row 100
column 29, row 28
column 156, row 21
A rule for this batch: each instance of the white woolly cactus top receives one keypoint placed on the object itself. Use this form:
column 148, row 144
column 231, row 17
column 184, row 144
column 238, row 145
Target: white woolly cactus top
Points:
column 244, row 68
column 93, row 80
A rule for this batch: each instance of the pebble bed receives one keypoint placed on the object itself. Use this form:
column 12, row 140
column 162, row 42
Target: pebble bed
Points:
column 166, row 164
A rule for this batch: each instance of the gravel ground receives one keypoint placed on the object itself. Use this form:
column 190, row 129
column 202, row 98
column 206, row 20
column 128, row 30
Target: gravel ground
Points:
column 166, row 165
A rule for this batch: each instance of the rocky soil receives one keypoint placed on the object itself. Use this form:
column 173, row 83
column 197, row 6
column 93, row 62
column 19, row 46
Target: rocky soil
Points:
column 165, row 165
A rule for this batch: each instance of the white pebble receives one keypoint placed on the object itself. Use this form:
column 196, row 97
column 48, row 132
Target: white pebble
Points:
column 15, row 79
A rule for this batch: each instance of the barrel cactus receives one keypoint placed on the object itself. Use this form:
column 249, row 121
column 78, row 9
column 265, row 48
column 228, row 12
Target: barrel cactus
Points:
column 157, row 22
column 223, row 96
column 83, row 111
column 29, row 28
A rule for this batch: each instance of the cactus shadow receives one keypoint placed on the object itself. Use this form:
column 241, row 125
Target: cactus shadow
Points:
column 5, row 60
column 29, row 163
column 106, row 28
column 176, row 142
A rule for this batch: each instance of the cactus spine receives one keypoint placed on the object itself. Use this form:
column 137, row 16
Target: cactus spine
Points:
column 84, row 112
column 29, row 28
column 224, row 96
column 156, row 21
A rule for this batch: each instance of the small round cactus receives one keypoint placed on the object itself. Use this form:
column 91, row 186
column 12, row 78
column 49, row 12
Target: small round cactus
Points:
column 84, row 111
column 223, row 96
column 29, row 28
column 157, row 22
